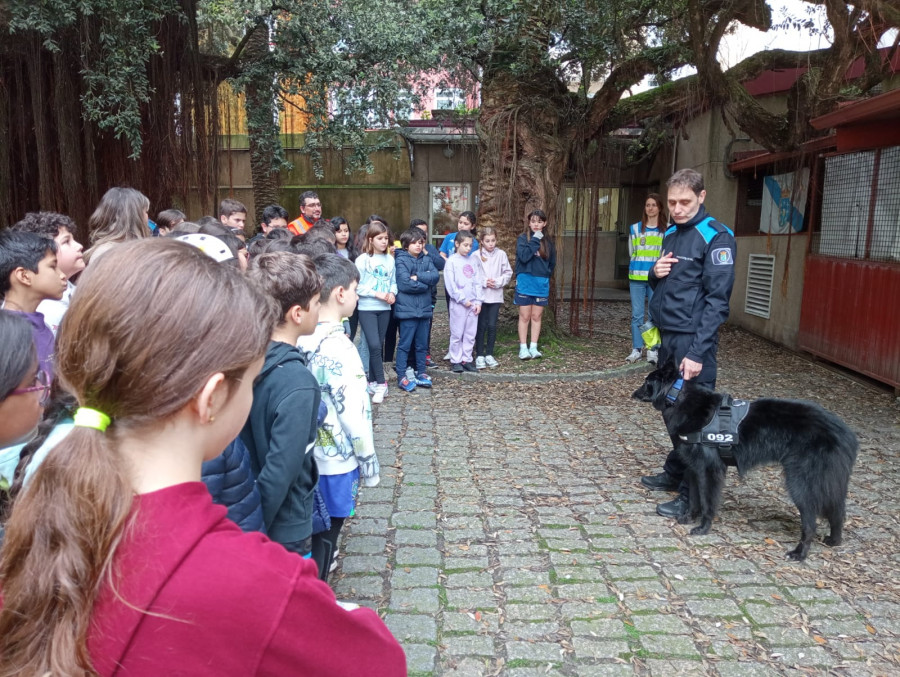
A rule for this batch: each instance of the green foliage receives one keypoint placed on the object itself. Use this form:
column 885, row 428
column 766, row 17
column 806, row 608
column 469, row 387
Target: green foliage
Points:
column 116, row 42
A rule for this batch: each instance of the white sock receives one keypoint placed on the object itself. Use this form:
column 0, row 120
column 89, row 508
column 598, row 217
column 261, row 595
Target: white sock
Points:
column 523, row 345
column 533, row 345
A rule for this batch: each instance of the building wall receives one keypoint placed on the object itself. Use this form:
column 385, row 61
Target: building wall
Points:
column 430, row 165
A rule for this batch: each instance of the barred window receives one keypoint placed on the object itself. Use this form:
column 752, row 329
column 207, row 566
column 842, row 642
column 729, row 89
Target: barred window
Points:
column 861, row 206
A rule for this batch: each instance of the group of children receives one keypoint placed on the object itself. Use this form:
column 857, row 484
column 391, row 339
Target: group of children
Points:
column 106, row 484
column 475, row 274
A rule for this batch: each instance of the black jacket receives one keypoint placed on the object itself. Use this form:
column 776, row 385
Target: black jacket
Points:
column 693, row 297
column 231, row 483
column 414, row 296
column 280, row 435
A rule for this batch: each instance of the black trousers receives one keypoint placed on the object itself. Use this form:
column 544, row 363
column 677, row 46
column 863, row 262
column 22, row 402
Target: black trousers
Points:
column 323, row 546
column 374, row 326
column 486, row 335
column 390, row 338
column 675, row 346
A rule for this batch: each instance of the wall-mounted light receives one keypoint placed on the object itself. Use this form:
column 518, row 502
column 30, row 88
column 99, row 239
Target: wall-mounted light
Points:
column 448, row 151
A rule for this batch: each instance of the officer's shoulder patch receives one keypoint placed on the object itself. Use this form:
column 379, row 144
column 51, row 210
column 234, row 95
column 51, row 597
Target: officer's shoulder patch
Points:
column 722, row 256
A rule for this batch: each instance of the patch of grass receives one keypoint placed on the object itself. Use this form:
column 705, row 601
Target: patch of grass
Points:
column 524, row 663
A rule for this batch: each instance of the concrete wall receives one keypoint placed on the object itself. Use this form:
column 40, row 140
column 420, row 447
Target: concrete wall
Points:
column 787, row 286
column 706, row 144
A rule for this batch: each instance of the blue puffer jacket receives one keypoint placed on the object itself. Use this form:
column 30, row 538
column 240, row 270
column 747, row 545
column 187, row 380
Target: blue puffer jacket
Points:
column 414, row 296
column 231, row 483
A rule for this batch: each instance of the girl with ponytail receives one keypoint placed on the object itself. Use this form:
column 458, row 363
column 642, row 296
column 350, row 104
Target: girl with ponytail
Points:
column 116, row 561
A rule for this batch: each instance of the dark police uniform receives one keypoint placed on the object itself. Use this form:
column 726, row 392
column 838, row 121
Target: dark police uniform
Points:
column 691, row 302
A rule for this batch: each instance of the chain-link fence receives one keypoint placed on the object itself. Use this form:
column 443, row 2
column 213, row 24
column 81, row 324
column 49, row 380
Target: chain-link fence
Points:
column 861, row 206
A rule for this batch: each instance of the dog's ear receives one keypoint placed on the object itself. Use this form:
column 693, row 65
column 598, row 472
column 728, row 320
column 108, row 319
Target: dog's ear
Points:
column 649, row 387
column 669, row 370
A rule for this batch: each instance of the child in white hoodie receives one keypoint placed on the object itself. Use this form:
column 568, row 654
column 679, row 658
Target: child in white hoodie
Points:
column 345, row 446
column 497, row 274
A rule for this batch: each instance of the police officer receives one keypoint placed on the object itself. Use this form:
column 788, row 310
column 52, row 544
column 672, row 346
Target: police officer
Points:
column 691, row 285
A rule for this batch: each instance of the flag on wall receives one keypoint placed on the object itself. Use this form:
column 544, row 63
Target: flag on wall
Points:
column 784, row 202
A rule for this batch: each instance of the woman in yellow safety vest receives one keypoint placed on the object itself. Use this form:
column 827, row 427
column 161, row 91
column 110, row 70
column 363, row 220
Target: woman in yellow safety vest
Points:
column 644, row 244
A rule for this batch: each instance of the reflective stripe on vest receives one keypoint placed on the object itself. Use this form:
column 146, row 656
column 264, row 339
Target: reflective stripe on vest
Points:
column 645, row 249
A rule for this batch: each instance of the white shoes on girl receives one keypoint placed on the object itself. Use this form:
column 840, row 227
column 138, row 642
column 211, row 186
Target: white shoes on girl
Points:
column 380, row 391
column 490, row 362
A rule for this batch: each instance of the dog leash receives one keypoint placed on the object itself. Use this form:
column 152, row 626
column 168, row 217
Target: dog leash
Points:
column 674, row 391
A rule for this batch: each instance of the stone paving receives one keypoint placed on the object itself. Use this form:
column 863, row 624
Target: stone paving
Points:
column 510, row 536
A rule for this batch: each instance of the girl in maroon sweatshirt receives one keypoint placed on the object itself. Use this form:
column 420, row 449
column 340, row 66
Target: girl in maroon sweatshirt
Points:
column 116, row 561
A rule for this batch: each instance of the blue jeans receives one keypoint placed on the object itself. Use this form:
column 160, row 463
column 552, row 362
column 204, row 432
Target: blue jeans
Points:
column 413, row 338
column 640, row 293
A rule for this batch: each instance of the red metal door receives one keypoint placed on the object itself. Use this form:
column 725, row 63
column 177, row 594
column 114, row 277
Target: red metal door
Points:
column 851, row 315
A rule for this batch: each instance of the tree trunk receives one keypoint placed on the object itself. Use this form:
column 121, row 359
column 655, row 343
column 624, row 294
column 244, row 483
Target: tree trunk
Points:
column 525, row 148
column 262, row 129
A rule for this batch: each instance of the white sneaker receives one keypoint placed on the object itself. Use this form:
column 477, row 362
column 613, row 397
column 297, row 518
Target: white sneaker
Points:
column 491, row 362
column 652, row 356
column 635, row 356
column 371, row 387
column 535, row 353
column 380, row 392
column 447, row 357
column 479, row 362
column 524, row 353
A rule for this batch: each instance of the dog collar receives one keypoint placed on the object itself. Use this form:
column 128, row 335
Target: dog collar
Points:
column 672, row 395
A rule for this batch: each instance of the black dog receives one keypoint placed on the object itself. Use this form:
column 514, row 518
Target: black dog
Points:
column 816, row 449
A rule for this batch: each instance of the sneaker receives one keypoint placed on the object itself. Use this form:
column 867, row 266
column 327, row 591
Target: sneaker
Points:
column 480, row 363
column 491, row 362
column 423, row 380
column 456, row 368
column 406, row 384
column 652, row 356
column 380, row 392
column 371, row 387
column 524, row 353
column 447, row 357
column 333, row 566
column 535, row 353
column 411, row 373
column 635, row 356
column 469, row 366
column 428, row 361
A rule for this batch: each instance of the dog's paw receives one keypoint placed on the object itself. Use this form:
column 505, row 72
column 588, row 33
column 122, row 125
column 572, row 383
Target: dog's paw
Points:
column 700, row 530
column 798, row 554
column 831, row 541
column 686, row 518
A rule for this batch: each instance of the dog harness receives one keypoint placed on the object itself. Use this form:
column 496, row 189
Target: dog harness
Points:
column 722, row 431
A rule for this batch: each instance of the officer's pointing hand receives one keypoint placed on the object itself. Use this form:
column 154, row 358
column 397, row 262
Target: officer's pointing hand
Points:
column 663, row 265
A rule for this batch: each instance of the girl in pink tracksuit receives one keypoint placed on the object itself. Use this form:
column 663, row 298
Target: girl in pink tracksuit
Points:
column 497, row 274
column 464, row 282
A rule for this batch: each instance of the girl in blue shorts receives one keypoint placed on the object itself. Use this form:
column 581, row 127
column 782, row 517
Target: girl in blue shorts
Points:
column 535, row 262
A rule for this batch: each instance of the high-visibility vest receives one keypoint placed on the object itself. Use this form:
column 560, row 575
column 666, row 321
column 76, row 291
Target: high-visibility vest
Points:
column 299, row 225
column 645, row 247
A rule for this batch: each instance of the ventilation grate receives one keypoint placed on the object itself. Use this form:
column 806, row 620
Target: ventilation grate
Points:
column 760, row 275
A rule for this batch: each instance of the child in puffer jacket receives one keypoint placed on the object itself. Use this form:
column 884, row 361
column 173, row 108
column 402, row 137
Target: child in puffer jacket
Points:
column 416, row 277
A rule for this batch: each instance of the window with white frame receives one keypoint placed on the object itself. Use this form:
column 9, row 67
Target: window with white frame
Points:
column 448, row 98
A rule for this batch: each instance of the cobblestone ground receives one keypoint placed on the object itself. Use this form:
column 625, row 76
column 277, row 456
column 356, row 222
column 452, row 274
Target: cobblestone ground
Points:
column 510, row 536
